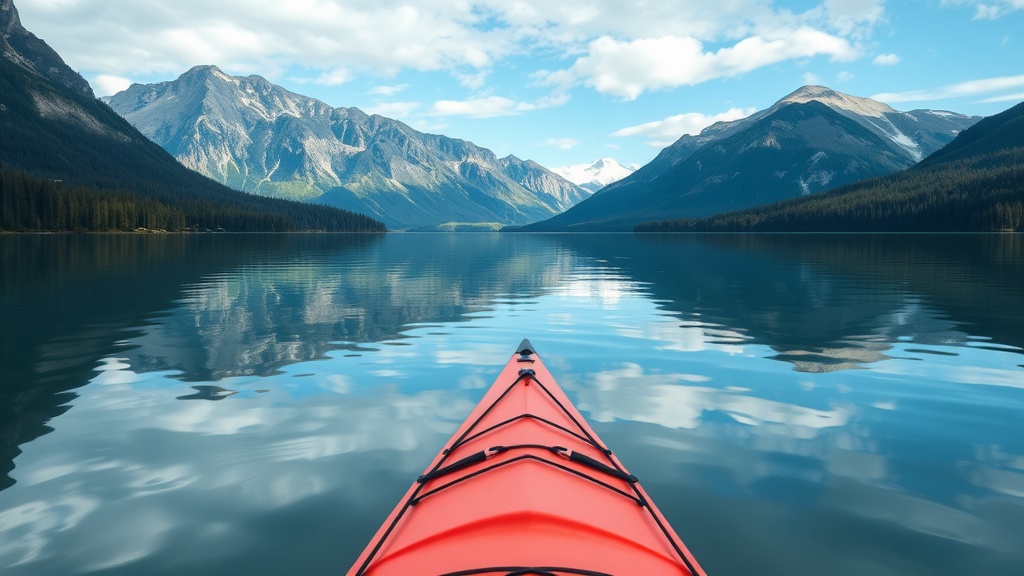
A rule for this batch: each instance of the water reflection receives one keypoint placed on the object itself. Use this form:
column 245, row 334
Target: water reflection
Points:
column 254, row 319
column 831, row 302
column 208, row 393
column 839, row 405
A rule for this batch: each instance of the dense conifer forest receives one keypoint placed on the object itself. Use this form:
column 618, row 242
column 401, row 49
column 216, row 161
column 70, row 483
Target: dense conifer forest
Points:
column 31, row 204
column 974, row 184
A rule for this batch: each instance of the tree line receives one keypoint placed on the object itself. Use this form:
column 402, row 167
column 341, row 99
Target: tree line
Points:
column 29, row 203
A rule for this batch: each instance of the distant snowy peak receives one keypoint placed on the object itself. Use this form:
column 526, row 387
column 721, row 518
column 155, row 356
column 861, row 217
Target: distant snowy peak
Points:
column 838, row 101
column 595, row 175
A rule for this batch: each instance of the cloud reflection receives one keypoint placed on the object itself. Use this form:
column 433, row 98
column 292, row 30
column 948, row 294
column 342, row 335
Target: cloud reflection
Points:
column 190, row 464
column 629, row 393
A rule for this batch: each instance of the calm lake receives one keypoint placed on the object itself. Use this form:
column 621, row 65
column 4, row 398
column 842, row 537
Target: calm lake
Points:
column 229, row 404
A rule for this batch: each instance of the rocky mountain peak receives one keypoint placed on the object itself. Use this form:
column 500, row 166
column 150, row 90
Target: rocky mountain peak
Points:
column 9, row 19
column 255, row 136
column 837, row 100
column 26, row 50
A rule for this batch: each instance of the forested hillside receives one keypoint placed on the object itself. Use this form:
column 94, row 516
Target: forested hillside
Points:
column 975, row 184
column 31, row 204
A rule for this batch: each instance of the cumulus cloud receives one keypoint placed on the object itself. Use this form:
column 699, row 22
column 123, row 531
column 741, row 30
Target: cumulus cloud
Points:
column 492, row 106
column 886, row 60
column 562, row 143
column 106, row 85
column 334, row 77
column 388, row 90
column 627, row 69
column 959, row 90
column 141, row 37
column 988, row 9
column 812, row 78
column 661, row 133
column 993, row 9
column 854, row 18
column 607, row 45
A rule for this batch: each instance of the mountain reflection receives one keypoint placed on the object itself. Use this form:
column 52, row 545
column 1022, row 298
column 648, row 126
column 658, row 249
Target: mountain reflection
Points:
column 207, row 308
column 830, row 302
column 255, row 319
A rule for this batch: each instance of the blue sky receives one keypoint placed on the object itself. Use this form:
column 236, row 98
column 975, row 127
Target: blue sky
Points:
column 558, row 82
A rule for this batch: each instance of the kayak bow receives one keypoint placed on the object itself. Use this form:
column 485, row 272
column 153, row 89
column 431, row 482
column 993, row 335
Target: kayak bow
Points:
column 525, row 486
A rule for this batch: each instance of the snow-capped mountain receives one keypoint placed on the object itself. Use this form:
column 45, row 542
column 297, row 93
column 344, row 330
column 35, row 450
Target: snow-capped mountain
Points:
column 596, row 175
column 812, row 140
column 258, row 137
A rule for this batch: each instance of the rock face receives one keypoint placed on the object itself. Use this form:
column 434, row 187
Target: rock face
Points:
column 27, row 51
column 812, row 140
column 258, row 137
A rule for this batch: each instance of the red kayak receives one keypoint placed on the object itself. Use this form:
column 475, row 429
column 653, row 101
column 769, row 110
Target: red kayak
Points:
column 524, row 487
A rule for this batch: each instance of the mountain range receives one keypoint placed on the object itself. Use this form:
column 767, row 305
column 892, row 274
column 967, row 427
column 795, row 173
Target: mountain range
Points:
column 973, row 184
column 68, row 162
column 255, row 136
column 813, row 140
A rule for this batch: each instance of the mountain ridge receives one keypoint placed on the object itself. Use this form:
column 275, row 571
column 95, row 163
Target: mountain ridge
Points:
column 848, row 139
column 974, row 184
column 253, row 135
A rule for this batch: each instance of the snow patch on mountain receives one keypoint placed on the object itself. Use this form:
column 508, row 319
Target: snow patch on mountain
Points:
column 884, row 125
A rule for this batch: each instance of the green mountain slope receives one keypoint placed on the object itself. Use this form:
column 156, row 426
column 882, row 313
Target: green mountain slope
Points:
column 976, row 183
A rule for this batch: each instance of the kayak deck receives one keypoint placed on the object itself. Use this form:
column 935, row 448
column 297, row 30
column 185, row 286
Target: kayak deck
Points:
column 525, row 486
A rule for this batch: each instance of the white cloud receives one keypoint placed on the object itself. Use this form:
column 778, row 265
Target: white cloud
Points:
column 886, row 60
column 854, row 18
column 562, row 143
column 388, row 90
column 812, row 78
column 617, row 49
column 627, row 69
column 492, row 106
column 990, row 9
column 131, row 37
column 473, row 81
column 1018, row 97
column 997, row 9
column 987, row 12
column 334, row 77
column 106, row 85
column 661, row 133
column 959, row 90
column 487, row 107
column 844, row 76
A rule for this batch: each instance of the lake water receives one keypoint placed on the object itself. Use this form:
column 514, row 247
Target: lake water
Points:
column 796, row 405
